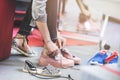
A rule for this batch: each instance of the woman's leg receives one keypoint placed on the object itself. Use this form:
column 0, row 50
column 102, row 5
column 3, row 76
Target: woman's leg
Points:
column 52, row 18
column 83, row 17
column 83, row 8
column 25, row 28
column 20, row 41
column 86, row 23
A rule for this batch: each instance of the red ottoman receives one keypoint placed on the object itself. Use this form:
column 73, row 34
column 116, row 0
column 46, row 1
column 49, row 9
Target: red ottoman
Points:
column 7, row 8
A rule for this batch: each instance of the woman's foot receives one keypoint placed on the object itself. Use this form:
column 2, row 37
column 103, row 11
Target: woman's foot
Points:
column 20, row 43
column 88, row 26
column 94, row 25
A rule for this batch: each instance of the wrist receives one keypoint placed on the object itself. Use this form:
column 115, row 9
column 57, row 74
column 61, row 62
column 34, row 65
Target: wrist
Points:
column 47, row 41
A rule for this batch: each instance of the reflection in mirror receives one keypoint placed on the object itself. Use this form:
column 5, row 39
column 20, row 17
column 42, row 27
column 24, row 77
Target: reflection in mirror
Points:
column 77, row 17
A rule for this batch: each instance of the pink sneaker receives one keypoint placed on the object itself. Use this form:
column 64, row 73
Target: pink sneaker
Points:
column 61, row 63
column 68, row 55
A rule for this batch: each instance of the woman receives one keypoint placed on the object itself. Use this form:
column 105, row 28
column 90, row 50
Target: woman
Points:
column 49, row 33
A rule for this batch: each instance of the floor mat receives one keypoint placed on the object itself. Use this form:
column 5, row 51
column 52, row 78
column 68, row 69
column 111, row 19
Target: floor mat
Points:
column 35, row 39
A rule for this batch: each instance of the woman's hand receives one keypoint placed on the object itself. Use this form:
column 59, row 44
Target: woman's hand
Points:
column 61, row 42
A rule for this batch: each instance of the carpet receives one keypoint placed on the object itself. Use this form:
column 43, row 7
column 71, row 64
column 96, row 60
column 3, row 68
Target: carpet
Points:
column 35, row 39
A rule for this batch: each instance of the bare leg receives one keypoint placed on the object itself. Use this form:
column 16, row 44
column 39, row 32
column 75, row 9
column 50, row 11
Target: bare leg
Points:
column 24, row 31
column 86, row 23
column 83, row 8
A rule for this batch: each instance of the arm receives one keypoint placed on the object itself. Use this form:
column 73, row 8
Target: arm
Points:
column 40, row 17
